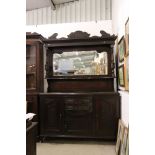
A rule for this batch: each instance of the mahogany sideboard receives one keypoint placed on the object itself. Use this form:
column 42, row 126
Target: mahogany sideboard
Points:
column 78, row 104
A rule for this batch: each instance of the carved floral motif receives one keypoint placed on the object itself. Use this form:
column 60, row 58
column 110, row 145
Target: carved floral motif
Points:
column 80, row 35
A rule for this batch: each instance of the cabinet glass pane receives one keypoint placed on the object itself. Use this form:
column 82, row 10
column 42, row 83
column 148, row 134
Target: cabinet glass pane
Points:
column 30, row 67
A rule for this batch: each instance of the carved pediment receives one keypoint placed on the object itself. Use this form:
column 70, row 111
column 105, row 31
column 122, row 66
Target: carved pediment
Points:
column 34, row 35
column 104, row 34
column 78, row 35
column 62, row 38
column 53, row 36
column 95, row 37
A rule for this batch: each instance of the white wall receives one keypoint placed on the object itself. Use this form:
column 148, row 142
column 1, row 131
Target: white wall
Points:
column 93, row 28
column 125, row 106
column 120, row 13
column 64, row 29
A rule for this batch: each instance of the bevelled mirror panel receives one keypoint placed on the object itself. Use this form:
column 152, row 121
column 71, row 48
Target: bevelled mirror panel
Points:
column 80, row 63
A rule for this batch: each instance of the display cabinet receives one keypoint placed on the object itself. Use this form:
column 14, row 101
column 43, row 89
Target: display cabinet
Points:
column 34, row 62
column 81, row 100
column 34, row 71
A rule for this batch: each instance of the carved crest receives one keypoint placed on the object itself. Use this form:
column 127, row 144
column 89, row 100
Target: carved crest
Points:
column 95, row 37
column 78, row 35
column 104, row 34
column 35, row 33
column 53, row 36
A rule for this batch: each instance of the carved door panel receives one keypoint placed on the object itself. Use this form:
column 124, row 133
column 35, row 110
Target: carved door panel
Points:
column 107, row 115
column 78, row 115
column 50, row 115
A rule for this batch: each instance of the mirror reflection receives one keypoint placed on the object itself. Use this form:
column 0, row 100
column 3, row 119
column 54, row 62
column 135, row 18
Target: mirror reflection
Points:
column 80, row 63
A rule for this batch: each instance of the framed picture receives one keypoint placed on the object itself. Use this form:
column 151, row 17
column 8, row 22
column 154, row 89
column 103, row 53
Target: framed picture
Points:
column 124, row 142
column 121, row 79
column 127, row 147
column 119, row 137
column 127, row 37
column 116, row 47
column 121, row 49
column 126, row 68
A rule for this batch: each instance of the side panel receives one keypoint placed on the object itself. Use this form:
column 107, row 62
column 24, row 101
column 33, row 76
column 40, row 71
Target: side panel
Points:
column 107, row 115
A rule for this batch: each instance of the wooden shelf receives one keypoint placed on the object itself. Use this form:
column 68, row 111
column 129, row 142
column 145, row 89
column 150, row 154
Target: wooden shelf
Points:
column 82, row 77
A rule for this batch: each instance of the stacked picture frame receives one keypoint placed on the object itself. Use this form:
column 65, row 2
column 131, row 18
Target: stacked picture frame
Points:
column 122, row 143
column 123, row 59
column 122, row 63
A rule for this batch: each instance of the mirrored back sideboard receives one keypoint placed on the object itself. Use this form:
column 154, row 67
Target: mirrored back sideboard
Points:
column 81, row 101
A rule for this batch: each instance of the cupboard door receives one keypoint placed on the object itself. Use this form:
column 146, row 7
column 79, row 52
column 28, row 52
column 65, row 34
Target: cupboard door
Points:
column 78, row 116
column 32, row 107
column 107, row 115
column 31, row 139
column 50, row 115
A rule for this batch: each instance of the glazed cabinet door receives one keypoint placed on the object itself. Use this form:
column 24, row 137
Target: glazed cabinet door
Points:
column 78, row 115
column 31, row 62
column 34, row 66
column 50, row 116
column 107, row 115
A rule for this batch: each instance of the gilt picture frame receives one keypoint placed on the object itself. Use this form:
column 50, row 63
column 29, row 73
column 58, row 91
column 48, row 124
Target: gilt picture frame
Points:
column 127, row 147
column 126, row 69
column 119, row 136
column 124, row 142
column 121, row 49
column 127, row 37
column 121, row 77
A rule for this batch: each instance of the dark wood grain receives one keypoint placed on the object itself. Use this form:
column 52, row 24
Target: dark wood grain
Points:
column 31, row 139
column 36, row 40
column 91, row 115
column 80, row 106
column 77, row 85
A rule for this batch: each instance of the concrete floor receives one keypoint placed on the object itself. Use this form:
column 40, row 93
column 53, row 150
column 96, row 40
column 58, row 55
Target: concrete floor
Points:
column 75, row 148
